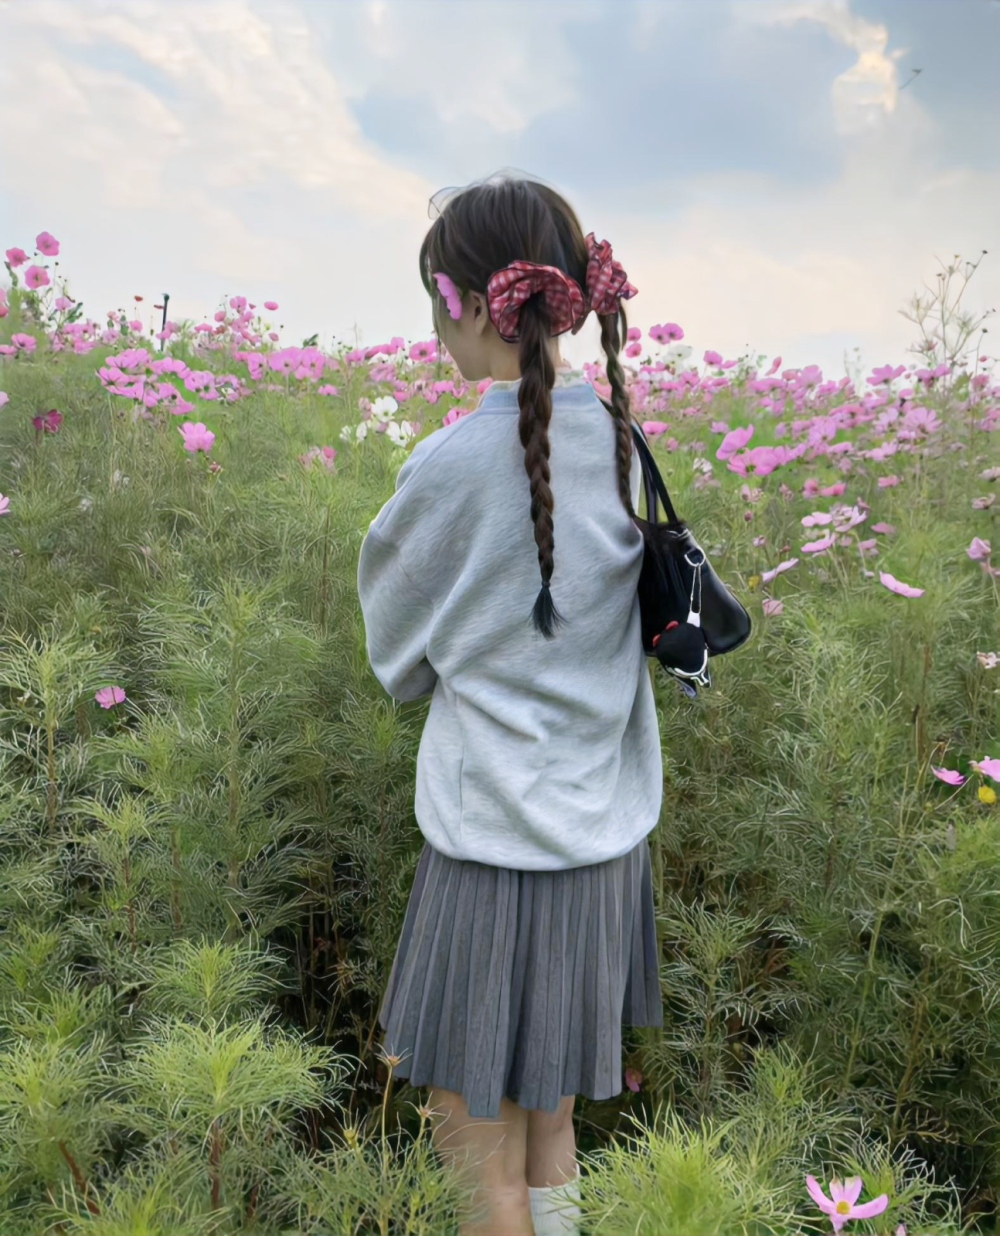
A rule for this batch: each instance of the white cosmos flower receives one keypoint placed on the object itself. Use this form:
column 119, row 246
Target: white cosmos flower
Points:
column 400, row 433
column 362, row 431
column 345, row 434
column 384, row 408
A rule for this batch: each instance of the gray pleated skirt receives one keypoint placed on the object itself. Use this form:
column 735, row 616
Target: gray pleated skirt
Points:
column 517, row 984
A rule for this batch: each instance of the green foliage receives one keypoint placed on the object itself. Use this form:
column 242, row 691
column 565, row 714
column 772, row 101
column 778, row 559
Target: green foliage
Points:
column 201, row 888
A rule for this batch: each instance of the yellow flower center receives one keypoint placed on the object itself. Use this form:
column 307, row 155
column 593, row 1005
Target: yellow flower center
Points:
column 843, row 1207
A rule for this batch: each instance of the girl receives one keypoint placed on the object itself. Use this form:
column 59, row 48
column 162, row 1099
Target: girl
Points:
column 529, row 937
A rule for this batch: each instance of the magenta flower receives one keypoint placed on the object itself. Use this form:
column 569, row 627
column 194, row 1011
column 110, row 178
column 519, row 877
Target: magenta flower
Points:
column 895, row 585
column 886, row 529
column 197, row 437
column 840, row 1205
column 948, row 775
column 666, row 333
column 887, row 482
column 107, row 697
column 633, row 1079
column 734, row 441
column 36, row 277
column 46, row 243
column 26, row 342
column 772, row 607
column 978, row 549
column 787, row 565
column 271, row 305
column 16, row 257
column 989, row 767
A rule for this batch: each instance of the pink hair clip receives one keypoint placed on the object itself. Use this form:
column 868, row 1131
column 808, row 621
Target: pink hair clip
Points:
column 451, row 294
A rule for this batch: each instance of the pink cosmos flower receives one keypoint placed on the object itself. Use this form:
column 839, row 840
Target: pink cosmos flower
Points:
column 848, row 517
column 887, row 529
column 833, row 491
column 818, row 547
column 817, row 517
column 27, row 343
column 887, row 482
column 666, row 333
column 734, row 441
column 895, row 585
column 197, row 437
column 36, row 277
column 270, row 305
column 773, row 607
column 46, row 243
column 948, row 775
column 787, row 565
column 4, row 398
column 989, row 767
column 4, row 505
column 840, row 1205
column 978, row 549
column 239, row 303
column 16, row 257
column 107, row 697
column 49, row 422
column 633, row 1079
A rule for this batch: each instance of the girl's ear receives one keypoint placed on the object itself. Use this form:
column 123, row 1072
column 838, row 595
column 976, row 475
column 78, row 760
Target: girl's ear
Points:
column 480, row 311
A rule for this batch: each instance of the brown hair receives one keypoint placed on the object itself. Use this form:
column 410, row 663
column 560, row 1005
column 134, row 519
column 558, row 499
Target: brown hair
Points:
column 482, row 229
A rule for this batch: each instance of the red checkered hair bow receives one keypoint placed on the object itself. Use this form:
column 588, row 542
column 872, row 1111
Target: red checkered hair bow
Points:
column 606, row 283
column 509, row 288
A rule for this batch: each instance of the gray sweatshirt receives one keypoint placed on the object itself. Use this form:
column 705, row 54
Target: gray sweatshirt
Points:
column 536, row 754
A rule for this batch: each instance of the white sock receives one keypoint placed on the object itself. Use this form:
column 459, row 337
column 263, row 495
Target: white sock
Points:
column 554, row 1210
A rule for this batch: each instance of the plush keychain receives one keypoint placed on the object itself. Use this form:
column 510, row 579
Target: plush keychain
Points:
column 680, row 647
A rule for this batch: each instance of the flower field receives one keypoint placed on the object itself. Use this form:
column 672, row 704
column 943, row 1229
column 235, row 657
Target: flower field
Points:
column 206, row 826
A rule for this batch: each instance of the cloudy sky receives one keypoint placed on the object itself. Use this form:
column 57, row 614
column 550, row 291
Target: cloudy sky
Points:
column 773, row 174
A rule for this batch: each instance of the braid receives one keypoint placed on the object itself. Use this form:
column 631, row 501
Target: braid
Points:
column 620, row 410
column 535, row 400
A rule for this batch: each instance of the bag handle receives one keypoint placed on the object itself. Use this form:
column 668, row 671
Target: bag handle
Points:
column 653, row 482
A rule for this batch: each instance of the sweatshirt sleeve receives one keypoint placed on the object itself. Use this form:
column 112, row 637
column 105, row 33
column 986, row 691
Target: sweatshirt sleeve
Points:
column 397, row 617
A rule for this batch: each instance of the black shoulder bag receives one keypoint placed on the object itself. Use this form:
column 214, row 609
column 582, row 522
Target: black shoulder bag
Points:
column 688, row 613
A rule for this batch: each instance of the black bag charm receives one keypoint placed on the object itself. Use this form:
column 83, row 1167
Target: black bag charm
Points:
column 687, row 613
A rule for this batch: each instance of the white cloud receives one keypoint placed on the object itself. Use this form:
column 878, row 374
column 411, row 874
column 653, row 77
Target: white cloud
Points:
column 870, row 86
column 233, row 163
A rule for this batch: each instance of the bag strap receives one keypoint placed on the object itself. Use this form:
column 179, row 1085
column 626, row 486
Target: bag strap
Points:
column 652, row 479
column 653, row 482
